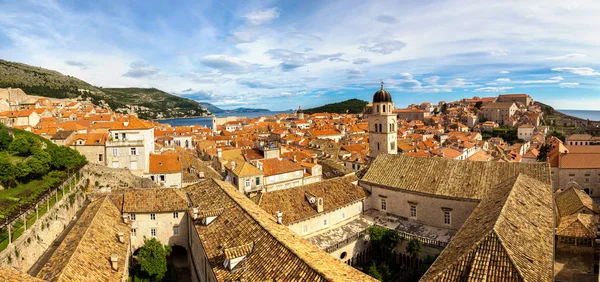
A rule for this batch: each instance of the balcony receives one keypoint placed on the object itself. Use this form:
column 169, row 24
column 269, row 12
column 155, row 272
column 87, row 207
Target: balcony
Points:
column 124, row 143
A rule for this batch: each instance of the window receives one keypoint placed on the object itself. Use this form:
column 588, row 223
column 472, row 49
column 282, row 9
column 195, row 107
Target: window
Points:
column 153, row 232
column 383, row 205
column 324, row 222
column 343, row 215
column 447, row 217
column 258, row 181
column 133, row 232
column 392, row 145
column 152, row 177
column 133, row 151
column 116, row 136
column 247, row 182
column 100, row 157
column 162, row 177
column 152, row 216
column 380, row 128
column 115, row 152
column 124, row 136
column 176, row 230
column 132, row 216
column 175, row 214
column 413, row 211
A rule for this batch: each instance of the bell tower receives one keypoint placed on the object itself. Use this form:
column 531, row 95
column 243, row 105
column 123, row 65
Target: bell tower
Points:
column 382, row 125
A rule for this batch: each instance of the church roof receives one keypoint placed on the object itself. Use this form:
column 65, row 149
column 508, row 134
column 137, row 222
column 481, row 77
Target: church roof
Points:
column 382, row 96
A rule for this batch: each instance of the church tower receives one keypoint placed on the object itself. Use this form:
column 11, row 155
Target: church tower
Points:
column 300, row 113
column 382, row 125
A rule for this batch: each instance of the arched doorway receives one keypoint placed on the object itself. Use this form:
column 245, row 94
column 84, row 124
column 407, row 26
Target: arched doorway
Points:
column 179, row 264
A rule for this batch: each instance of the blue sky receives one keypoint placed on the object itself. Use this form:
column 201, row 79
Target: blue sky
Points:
column 281, row 54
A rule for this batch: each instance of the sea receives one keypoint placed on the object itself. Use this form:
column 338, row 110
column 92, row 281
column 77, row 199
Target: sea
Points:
column 207, row 121
column 584, row 114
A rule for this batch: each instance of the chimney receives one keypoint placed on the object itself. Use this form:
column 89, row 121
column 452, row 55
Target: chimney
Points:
column 114, row 258
column 232, row 165
column 125, row 218
column 195, row 213
column 295, row 160
column 121, row 237
column 319, row 205
column 126, row 123
column 279, row 216
column 219, row 153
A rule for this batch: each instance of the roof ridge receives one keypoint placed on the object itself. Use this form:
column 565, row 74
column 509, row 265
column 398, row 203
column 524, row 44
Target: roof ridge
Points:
column 87, row 228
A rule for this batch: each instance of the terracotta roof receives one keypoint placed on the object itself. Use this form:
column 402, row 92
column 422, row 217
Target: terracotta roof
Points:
column 84, row 255
column 447, row 177
column 294, row 204
column 165, row 163
column 156, row 200
column 277, row 253
column 574, row 160
column 131, row 123
column 578, row 225
column 573, row 201
column 513, row 95
column 243, row 169
column 277, row 166
column 579, row 137
column 90, row 139
column 508, row 237
column 526, row 126
column 62, row 135
column 498, row 105
column 10, row 275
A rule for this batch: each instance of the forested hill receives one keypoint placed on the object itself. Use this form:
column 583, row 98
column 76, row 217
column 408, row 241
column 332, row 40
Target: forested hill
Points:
column 353, row 106
column 149, row 103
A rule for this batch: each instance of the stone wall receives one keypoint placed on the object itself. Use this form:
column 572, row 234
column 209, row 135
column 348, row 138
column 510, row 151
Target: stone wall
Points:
column 110, row 179
column 27, row 249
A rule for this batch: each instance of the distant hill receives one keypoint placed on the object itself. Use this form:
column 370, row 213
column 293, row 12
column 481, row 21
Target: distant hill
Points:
column 248, row 110
column 149, row 103
column 353, row 106
column 212, row 108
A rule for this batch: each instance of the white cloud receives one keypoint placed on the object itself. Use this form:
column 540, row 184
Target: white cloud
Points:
column 262, row 17
column 384, row 47
column 555, row 79
column 583, row 71
column 503, row 80
column 227, row 64
column 433, row 80
column 504, row 72
column 493, row 89
column 498, row 53
column 361, row 61
column 139, row 69
column 568, row 84
column 388, row 19
column 567, row 56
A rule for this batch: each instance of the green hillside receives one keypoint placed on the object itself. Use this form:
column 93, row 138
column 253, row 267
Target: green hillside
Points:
column 40, row 81
column 150, row 102
column 153, row 103
column 353, row 106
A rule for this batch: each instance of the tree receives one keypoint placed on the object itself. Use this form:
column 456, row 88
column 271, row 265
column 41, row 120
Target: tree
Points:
column 21, row 145
column 478, row 105
column 383, row 237
column 558, row 135
column 5, row 138
column 444, row 108
column 380, row 271
column 66, row 158
column 7, row 170
column 152, row 259
column 413, row 247
column 543, row 155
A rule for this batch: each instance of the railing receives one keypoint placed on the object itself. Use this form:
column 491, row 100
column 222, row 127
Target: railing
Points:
column 424, row 240
column 346, row 241
column 124, row 143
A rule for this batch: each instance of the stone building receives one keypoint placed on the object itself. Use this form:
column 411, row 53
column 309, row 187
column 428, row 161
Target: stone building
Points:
column 582, row 140
column 325, row 213
column 382, row 125
column 508, row 237
column 578, row 164
column 244, row 176
column 130, row 144
column 91, row 145
column 436, row 193
column 499, row 112
column 165, row 170
column 515, row 98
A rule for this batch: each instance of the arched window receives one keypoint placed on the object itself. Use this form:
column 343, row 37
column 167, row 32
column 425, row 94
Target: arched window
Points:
column 384, row 108
column 377, row 146
column 380, row 126
column 377, row 108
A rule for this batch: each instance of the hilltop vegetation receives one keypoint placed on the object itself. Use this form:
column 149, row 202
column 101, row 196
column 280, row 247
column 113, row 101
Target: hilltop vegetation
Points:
column 149, row 103
column 40, row 81
column 353, row 106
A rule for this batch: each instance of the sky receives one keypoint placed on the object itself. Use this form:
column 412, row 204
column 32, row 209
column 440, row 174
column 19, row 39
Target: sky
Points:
column 284, row 54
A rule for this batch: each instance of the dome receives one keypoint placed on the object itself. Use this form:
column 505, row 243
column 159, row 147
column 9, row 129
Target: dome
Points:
column 299, row 110
column 382, row 96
